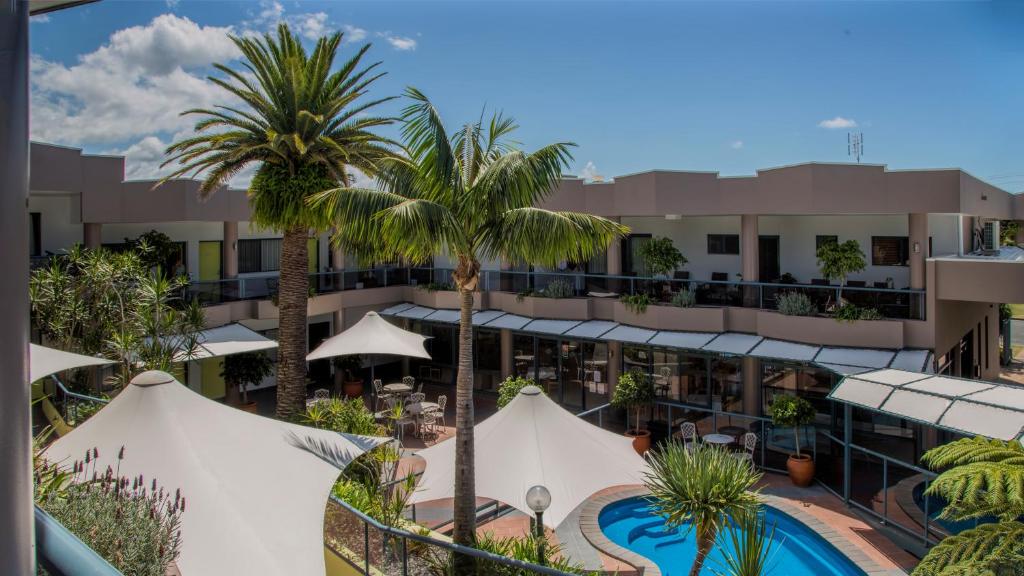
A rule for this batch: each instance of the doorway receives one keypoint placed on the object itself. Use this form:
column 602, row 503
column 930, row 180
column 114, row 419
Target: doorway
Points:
column 769, row 269
column 319, row 370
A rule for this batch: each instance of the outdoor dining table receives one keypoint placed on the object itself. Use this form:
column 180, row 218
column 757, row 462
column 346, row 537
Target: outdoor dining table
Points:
column 718, row 439
column 416, row 409
column 398, row 388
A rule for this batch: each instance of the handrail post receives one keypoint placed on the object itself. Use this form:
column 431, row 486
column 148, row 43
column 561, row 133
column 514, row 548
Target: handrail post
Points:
column 366, row 547
column 385, row 276
column 885, row 491
column 926, row 518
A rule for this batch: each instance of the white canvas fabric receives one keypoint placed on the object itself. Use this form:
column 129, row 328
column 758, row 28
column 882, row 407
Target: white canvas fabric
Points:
column 535, row 441
column 372, row 335
column 255, row 488
column 230, row 339
column 44, row 361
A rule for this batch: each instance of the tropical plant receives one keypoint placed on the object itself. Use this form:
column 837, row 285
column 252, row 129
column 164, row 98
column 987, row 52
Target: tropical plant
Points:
column 472, row 195
column 796, row 304
column 684, row 298
column 788, row 411
column 510, row 387
column 158, row 251
column 559, row 288
column 660, row 256
column 345, row 415
column 748, row 546
column 240, row 371
column 1008, row 230
column 98, row 302
column 980, row 478
column 851, row 313
column 306, row 128
column 524, row 548
column 634, row 391
column 699, row 489
column 837, row 261
column 350, row 366
column 636, row 303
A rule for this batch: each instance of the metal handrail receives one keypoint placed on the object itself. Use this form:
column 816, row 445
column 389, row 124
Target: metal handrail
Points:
column 76, row 395
column 63, row 554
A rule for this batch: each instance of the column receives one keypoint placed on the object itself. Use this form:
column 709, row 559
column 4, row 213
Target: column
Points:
column 749, row 248
column 614, row 265
column 506, row 354
column 614, row 363
column 917, row 224
column 337, row 258
column 751, row 386
column 17, row 544
column 92, row 234
column 229, row 250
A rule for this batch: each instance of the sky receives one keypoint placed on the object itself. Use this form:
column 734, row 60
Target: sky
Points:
column 721, row 87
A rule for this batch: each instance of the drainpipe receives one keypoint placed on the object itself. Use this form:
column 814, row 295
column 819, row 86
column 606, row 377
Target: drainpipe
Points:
column 17, row 546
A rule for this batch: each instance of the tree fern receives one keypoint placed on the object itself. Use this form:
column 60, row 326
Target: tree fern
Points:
column 995, row 549
column 984, row 478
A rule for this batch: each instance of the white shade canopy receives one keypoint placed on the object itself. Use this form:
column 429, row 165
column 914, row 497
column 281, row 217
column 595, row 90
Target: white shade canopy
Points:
column 230, row 339
column 256, row 488
column 372, row 335
column 534, row 441
column 44, row 361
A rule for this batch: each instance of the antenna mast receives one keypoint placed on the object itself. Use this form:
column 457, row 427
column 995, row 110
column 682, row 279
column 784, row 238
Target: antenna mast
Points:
column 855, row 145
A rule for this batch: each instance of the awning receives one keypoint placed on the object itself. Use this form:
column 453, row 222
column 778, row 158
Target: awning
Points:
column 372, row 335
column 415, row 312
column 556, row 327
column 633, row 334
column 991, row 409
column 782, row 350
column 509, row 321
column 591, row 329
column 445, row 316
column 230, row 339
column 733, row 343
column 867, row 357
column 695, row 340
column 44, row 361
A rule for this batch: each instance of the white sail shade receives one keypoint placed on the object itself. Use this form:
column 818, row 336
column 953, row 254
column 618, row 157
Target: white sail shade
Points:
column 45, row 361
column 372, row 335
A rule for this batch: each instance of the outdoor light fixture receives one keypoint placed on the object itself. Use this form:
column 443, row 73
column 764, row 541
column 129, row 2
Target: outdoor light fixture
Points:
column 917, row 247
column 538, row 498
column 673, row 216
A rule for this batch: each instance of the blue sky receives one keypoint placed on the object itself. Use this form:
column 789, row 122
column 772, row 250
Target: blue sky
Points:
column 722, row 87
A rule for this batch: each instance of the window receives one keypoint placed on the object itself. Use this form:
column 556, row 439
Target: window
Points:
column 632, row 262
column 259, row 255
column 890, row 251
column 820, row 241
column 723, row 243
column 35, row 234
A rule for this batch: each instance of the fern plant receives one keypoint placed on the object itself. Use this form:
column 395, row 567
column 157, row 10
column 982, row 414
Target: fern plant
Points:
column 636, row 303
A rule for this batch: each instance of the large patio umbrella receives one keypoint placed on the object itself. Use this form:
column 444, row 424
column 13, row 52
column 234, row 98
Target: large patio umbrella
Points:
column 534, row 441
column 227, row 340
column 372, row 335
column 45, row 361
column 256, row 488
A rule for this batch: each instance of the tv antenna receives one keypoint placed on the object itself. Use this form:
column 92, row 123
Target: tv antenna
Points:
column 855, row 145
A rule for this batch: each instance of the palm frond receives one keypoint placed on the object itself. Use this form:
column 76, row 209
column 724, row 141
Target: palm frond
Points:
column 548, row 237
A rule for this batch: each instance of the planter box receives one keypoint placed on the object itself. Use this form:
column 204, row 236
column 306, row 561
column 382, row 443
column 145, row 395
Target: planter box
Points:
column 658, row 317
column 830, row 332
column 448, row 299
column 539, row 307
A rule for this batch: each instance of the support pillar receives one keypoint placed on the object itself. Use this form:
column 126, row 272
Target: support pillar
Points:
column 751, row 386
column 750, row 258
column 614, row 364
column 917, row 224
column 614, row 265
column 337, row 258
column 17, row 546
column 92, row 235
column 229, row 250
column 506, row 353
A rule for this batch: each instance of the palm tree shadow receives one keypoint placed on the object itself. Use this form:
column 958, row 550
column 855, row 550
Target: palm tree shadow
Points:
column 333, row 452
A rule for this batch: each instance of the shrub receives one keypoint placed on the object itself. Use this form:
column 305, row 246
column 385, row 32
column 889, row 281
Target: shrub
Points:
column 837, row 261
column 636, row 303
column 346, row 415
column 441, row 562
column 796, row 304
column 559, row 288
column 510, row 388
column 851, row 313
column 684, row 298
column 788, row 411
column 246, row 369
column 787, row 278
column 870, row 314
column 634, row 391
column 660, row 256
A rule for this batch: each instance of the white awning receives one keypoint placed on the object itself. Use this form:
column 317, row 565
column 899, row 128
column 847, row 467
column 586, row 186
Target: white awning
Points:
column 230, row 339
column 625, row 333
column 591, row 329
column 694, row 340
column 733, row 343
column 967, row 406
column 556, row 327
column 446, row 316
column 415, row 312
column 484, row 316
column 44, row 361
column 867, row 357
column 508, row 321
column 909, row 359
column 256, row 488
column 783, row 350
column 372, row 335
column 393, row 310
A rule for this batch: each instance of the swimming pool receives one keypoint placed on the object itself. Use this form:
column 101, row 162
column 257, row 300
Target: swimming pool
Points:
column 799, row 551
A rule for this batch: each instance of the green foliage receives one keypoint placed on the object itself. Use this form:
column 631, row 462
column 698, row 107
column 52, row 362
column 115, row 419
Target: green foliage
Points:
column 1008, row 232
column 635, row 390
column 278, row 196
column 441, row 562
column 98, row 302
column 700, row 488
column 837, row 261
column 510, row 387
column 684, row 298
column 245, row 369
column 752, row 544
column 870, row 314
column 559, row 288
column 660, row 256
column 157, row 250
column 796, row 304
column 134, row 526
column 851, row 313
column 787, row 278
column 636, row 303
column 788, row 411
column 350, row 366
column 346, row 415
column 988, row 550
column 436, row 287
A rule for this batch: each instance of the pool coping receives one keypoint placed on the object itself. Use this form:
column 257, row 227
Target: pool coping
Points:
column 592, row 532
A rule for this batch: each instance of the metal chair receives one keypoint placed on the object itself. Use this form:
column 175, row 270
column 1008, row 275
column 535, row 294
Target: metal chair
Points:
column 749, row 442
column 688, row 431
column 321, row 394
column 378, row 391
column 408, row 381
column 442, row 401
column 428, row 424
column 416, row 397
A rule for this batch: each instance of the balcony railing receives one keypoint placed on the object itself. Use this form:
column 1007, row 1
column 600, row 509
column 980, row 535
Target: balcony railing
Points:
column 890, row 303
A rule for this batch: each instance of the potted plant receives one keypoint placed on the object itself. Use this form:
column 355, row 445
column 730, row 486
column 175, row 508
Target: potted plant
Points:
column 241, row 371
column 837, row 261
column 662, row 258
column 788, row 411
column 348, row 369
column 635, row 391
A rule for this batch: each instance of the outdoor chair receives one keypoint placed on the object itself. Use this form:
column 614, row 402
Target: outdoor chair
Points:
column 688, row 431
column 428, row 424
column 388, row 407
column 417, row 397
column 442, row 400
column 319, row 395
column 405, row 420
column 749, row 442
column 409, row 381
column 378, row 391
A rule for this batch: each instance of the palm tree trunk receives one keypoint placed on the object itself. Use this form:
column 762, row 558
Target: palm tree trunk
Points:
column 293, row 292
column 705, row 539
column 465, row 485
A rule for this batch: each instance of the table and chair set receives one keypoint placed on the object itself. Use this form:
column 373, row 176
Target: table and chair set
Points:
column 416, row 411
column 727, row 438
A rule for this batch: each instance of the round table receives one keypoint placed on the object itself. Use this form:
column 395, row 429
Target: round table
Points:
column 398, row 388
column 421, row 407
column 734, row 431
column 718, row 439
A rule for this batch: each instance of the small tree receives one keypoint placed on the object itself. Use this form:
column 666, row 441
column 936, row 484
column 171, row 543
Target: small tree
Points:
column 634, row 391
column 660, row 256
column 837, row 261
column 243, row 370
column 510, row 388
column 788, row 411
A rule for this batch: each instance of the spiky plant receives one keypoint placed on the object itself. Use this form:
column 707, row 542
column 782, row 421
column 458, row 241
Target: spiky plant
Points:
column 752, row 544
column 982, row 478
column 700, row 489
column 305, row 126
column 473, row 195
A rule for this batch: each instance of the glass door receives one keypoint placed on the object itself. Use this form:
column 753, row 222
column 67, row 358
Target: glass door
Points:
column 549, row 367
column 572, row 373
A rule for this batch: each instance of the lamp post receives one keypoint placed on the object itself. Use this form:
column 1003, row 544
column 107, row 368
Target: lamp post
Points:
column 538, row 498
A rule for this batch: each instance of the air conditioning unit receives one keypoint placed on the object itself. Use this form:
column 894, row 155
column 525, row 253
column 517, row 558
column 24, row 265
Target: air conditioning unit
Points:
column 990, row 235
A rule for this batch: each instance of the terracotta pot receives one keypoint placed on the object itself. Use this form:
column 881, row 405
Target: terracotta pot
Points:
column 248, row 407
column 353, row 389
column 641, row 440
column 801, row 469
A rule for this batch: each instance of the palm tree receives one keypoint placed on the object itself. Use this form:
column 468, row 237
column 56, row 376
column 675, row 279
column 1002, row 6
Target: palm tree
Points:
column 982, row 478
column 305, row 127
column 472, row 195
column 701, row 488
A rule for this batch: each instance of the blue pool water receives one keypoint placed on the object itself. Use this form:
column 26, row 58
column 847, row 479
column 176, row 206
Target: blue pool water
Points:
column 799, row 551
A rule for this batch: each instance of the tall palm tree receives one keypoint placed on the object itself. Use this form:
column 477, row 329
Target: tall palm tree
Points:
column 981, row 478
column 305, row 127
column 701, row 487
column 472, row 195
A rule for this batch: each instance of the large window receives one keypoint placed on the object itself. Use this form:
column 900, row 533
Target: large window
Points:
column 890, row 251
column 522, row 356
column 632, row 262
column 723, row 244
column 262, row 255
column 487, row 355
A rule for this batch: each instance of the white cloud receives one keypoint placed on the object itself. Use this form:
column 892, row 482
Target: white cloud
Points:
column 172, row 4
column 312, row 26
column 589, row 172
column 402, row 43
column 353, row 33
column 837, row 123
column 736, row 144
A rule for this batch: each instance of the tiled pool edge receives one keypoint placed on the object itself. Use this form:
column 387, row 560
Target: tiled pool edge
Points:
column 592, row 532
